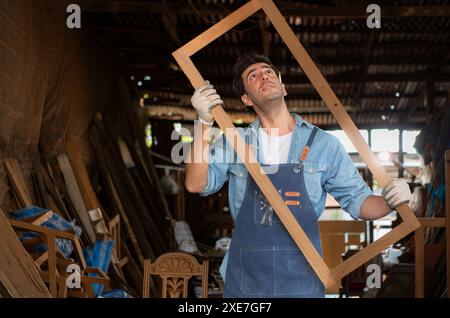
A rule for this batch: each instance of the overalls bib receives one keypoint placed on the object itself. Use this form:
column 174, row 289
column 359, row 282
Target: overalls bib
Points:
column 264, row 260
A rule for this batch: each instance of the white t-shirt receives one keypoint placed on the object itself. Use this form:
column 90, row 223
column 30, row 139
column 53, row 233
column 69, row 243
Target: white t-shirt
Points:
column 275, row 149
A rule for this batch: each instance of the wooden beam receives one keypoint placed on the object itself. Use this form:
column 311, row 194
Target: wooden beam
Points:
column 320, row 60
column 287, row 8
column 444, row 60
column 75, row 196
column 429, row 97
column 166, row 75
column 368, row 50
column 419, row 263
column 265, row 35
column 18, row 182
column 169, row 22
column 433, row 222
column 81, row 175
column 312, row 47
column 186, row 113
column 447, row 214
column 186, row 93
column 420, row 249
column 88, row 195
column 342, row 227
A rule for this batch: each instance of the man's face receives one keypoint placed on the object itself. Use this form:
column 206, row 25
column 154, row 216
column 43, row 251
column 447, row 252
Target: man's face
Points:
column 261, row 85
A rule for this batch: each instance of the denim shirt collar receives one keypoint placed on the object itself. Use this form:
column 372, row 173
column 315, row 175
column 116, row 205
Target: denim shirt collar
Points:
column 299, row 121
column 294, row 151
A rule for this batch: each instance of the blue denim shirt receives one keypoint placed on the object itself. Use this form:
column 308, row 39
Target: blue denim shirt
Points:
column 328, row 168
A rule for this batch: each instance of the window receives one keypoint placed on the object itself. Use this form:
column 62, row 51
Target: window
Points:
column 348, row 146
column 385, row 140
column 409, row 137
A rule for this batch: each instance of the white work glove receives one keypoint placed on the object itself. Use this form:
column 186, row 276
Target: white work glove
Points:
column 396, row 193
column 203, row 100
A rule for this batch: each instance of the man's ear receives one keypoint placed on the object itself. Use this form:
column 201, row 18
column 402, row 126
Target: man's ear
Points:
column 246, row 100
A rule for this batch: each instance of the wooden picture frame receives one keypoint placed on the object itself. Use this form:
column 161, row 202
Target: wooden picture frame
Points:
column 328, row 276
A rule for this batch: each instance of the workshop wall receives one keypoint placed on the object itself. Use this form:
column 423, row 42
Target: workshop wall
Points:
column 52, row 80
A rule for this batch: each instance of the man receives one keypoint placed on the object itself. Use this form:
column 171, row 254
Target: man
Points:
column 263, row 260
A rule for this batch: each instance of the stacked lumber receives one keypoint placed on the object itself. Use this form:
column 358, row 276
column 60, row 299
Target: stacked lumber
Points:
column 18, row 275
column 132, row 188
column 57, row 188
column 122, row 199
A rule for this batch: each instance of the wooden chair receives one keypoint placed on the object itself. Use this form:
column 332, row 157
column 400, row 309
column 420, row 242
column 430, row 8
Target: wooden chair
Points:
column 52, row 264
column 175, row 270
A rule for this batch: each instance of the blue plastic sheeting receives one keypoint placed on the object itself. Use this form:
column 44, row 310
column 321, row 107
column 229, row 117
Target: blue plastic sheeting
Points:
column 99, row 256
column 115, row 293
column 55, row 222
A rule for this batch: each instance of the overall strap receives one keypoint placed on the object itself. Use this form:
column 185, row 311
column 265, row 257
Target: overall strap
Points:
column 308, row 144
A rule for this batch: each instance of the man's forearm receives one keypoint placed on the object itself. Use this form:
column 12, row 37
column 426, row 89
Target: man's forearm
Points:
column 374, row 207
column 196, row 170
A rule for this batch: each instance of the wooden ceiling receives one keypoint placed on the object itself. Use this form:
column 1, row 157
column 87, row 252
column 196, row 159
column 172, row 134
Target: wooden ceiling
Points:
column 394, row 76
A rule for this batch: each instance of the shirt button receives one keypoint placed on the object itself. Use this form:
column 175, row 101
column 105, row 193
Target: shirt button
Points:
column 310, row 170
column 240, row 175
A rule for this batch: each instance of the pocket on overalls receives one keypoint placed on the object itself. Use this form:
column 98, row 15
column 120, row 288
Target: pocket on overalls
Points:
column 263, row 212
column 313, row 171
column 257, row 271
column 293, row 274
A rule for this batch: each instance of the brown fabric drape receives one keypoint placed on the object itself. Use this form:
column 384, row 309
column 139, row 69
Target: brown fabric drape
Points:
column 52, row 81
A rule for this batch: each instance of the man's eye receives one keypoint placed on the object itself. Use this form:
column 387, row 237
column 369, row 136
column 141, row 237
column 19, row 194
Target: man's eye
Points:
column 252, row 76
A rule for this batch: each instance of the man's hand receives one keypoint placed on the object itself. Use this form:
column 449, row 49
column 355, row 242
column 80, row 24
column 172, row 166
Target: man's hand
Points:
column 396, row 193
column 203, row 100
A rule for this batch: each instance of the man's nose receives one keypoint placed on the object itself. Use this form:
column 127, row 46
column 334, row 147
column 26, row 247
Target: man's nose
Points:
column 265, row 76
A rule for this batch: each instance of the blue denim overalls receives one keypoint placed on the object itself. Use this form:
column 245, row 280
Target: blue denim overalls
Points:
column 264, row 260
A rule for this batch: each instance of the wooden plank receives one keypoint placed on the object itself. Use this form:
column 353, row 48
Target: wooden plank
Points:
column 289, row 8
column 220, row 28
column 433, row 222
column 18, row 182
column 134, row 182
column 85, row 186
column 325, row 92
column 111, row 169
column 39, row 190
column 52, row 279
column 419, row 263
column 135, row 273
column 147, row 183
column 373, row 249
column 56, row 202
column 18, row 273
column 126, row 221
column 81, row 175
column 447, row 215
column 336, row 227
column 334, row 105
column 150, row 166
column 75, row 196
